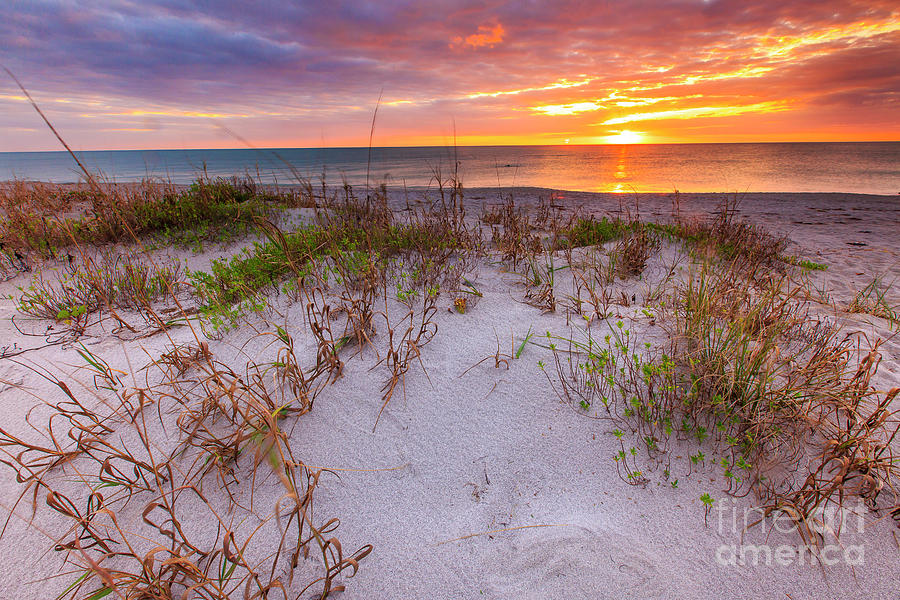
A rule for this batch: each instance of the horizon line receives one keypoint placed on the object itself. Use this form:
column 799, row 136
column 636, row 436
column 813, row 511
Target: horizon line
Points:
column 262, row 148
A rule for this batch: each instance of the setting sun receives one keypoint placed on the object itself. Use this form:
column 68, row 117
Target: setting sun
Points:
column 624, row 137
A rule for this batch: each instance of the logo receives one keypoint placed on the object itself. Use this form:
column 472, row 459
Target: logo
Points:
column 828, row 535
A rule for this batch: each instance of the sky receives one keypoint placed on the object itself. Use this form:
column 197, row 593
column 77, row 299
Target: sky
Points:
column 121, row 74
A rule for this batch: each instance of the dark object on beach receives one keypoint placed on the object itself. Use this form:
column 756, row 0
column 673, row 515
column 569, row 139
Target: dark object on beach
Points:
column 857, row 244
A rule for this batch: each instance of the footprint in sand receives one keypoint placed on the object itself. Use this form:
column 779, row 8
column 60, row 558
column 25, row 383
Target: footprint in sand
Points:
column 576, row 562
column 10, row 379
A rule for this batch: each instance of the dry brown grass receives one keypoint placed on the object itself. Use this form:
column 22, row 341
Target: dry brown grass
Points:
column 514, row 235
column 46, row 219
column 227, row 459
column 787, row 397
column 184, row 492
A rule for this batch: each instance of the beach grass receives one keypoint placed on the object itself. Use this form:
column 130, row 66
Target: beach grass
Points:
column 781, row 398
column 43, row 218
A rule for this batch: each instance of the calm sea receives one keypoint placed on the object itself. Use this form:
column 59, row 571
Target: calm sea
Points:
column 869, row 167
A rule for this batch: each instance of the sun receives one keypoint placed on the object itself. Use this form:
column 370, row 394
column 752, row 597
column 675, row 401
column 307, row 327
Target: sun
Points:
column 624, row 137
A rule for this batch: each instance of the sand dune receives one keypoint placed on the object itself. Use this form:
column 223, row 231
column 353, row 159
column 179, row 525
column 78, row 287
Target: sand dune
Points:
column 479, row 479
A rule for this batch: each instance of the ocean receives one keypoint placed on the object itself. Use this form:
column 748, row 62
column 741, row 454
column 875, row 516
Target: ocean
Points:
column 855, row 167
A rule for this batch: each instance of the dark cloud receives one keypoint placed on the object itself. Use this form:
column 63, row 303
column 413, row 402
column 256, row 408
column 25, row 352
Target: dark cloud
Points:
column 122, row 43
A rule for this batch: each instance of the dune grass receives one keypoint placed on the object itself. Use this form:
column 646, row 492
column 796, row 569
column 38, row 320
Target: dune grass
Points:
column 873, row 299
column 746, row 370
column 784, row 396
column 43, row 218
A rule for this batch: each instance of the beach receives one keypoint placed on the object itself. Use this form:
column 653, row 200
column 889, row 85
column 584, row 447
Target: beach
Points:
column 455, row 437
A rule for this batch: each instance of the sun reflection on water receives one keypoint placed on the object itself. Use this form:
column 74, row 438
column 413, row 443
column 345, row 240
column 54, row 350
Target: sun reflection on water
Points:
column 621, row 172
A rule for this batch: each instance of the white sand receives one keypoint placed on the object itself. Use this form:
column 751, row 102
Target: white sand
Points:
column 495, row 449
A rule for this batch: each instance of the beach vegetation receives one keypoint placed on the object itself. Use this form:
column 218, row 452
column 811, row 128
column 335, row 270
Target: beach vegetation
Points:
column 739, row 364
column 591, row 232
column 874, row 299
column 228, row 436
column 108, row 280
column 748, row 368
column 805, row 264
column 44, row 218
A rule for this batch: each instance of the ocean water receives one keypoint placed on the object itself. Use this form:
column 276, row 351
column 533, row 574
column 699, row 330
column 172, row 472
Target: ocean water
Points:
column 860, row 167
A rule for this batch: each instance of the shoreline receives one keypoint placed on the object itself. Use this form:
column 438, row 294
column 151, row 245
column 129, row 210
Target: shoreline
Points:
column 419, row 189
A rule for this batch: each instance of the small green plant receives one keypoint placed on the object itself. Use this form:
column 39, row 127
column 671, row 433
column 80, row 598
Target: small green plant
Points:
column 591, row 232
column 107, row 281
column 72, row 312
column 626, row 466
column 707, row 501
column 525, row 341
column 873, row 300
column 805, row 264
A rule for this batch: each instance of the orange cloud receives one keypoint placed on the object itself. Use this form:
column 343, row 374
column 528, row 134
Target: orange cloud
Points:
column 692, row 113
column 567, row 109
column 764, row 70
column 486, row 36
column 563, row 83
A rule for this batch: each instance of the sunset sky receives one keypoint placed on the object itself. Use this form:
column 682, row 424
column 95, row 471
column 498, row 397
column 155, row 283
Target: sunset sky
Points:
column 120, row 74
